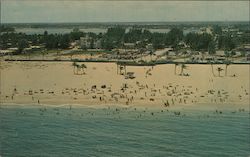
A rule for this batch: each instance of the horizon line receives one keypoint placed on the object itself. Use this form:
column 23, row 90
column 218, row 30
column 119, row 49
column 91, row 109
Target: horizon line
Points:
column 225, row 21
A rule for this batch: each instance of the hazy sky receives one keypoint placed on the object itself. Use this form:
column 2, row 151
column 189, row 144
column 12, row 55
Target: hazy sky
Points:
column 22, row 11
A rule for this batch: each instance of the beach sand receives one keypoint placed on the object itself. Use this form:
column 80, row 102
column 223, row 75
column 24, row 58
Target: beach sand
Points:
column 55, row 83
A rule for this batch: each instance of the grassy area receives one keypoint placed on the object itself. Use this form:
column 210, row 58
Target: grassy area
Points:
column 40, row 52
column 77, row 52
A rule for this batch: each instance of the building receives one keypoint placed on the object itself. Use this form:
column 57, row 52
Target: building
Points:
column 98, row 44
column 85, row 42
column 220, row 53
column 129, row 45
column 207, row 30
column 246, row 47
column 5, row 52
column 89, row 43
column 149, row 47
column 248, row 57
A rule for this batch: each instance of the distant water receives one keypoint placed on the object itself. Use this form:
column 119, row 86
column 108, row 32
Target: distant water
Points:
column 59, row 132
column 185, row 32
column 31, row 31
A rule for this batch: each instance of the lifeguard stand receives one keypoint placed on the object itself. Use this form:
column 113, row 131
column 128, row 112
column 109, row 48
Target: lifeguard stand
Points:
column 121, row 68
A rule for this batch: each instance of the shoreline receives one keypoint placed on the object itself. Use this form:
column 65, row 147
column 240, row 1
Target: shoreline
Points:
column 127, row 63
column 190, row 107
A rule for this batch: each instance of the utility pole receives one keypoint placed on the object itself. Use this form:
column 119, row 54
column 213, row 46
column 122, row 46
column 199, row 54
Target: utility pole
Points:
column 0, row 13
column 0, row 16
column 0, row 60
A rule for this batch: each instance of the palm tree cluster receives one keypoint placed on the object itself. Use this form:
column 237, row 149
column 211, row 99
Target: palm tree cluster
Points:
column 183, row 67
column 219, row 69
column 79, row 68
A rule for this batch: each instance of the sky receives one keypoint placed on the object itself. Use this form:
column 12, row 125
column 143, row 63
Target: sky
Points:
column 53, row 11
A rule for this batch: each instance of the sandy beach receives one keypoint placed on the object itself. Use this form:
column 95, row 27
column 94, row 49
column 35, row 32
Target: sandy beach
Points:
column 56, row 83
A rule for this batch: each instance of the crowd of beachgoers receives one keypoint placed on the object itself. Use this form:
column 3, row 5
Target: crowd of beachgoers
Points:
column 102, row 84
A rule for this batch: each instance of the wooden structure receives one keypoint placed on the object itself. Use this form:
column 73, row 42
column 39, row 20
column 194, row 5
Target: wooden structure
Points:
column 121, row 68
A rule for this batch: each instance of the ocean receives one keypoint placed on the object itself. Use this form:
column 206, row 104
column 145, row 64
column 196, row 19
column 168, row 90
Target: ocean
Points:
column 29, row 131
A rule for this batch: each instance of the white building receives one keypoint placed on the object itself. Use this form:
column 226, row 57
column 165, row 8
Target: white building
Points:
column 89, row 43
column 98, row 44
column 85, row 42
column 129, row 45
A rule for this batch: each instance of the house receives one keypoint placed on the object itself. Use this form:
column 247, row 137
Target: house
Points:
column 182, row 44
column 171, row 53
column 237, row 54
column 5, row 52
column 209, row 58
column 149, row 46
column 248, row 57
column 9, row 51
column 27, row 50
column 13, row 49
column 207, row 30
column 196, row 57
column 220, row 53
column 185, row 52
column 129, row 45
column 36, row 47
column 239, row 34
column 246, row 47
column 33, row 48
column 162, row 52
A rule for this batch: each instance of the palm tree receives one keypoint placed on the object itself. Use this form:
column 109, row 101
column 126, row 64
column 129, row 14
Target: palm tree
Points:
column 91, row 56
column 78, row 67
column 227, row 64
column 151, row 54
column 83, row 66
column 59, row 55
column 212, row 69
column 117, row 68
column 227, row 54
column 74, row 64
column 43, row 53
column 175, row 66
column 118, row 55
column 183, row 66
column 29, row 56
column 141, row 53
column 219, row 69
column 167, row 53
column 123, row 68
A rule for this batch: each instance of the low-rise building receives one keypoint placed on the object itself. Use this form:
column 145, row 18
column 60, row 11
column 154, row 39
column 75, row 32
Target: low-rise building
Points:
column 98, row 44
column 220, row 53
column 129, row 45
column 89, row 43
column 149, row 46
column 85, row 42
column 5, row 52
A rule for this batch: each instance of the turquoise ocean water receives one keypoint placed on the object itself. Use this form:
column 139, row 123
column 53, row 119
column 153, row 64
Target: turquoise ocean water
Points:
column 64, row 131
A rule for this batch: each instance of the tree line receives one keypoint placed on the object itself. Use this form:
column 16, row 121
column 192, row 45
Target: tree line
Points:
column 116, row 36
